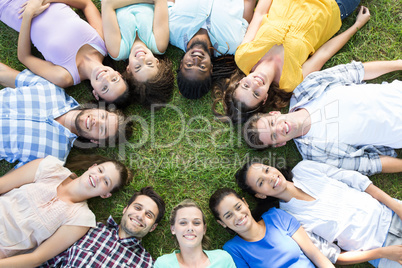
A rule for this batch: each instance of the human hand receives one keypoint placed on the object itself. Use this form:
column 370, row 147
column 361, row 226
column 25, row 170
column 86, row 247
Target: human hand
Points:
column 32, row 8
column 393, row 253
column 363, row 17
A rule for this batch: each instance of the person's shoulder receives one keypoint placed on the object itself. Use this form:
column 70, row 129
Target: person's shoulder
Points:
column 166, row 260
column 219, row 257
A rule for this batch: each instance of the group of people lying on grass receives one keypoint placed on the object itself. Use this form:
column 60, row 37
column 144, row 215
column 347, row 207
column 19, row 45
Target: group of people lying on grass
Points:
column 312, row 215
column 328, row 212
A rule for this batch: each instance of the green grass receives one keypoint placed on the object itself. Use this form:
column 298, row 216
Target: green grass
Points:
column 184, row 152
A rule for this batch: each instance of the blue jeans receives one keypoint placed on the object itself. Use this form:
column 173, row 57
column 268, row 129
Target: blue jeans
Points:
column 347, row 7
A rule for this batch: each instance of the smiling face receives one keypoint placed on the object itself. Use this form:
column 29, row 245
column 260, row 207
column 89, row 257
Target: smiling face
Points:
column 275, row 129
column 265, row 180
column 235, row 214
column 189, row 227
column 252, row 90
column 107, row 83
column 139, row 218
column 196, row 63
column 96, row 124
column 100, row 180
column 143, row 65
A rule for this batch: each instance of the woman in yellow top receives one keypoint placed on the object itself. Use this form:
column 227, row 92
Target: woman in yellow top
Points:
column 275, row 51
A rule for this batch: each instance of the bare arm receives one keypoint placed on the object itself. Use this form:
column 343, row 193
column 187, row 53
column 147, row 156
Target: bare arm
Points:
column 390, row 164
column 351, row 257
column 374, row 69
column 327, row 50
column 384, row 198
column 7, row 75
column 261, row 10
column 161, row 25
column 311, row 251
column 64, row 237
column 54, row 73
column 19, row 176
column 249, row 6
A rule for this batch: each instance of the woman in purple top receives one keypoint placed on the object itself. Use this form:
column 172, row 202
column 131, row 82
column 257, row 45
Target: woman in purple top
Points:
column 72, row 48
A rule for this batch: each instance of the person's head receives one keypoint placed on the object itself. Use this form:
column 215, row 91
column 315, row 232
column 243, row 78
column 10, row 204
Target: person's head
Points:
column 230, row 210
column 142, row 214
column 188, row 225
column 194, row 74
column 102, row 175
column 100, row 125
column 263, row 181
column 244, row 96
column 157, row 88
column 108, row 85
column 272, row 129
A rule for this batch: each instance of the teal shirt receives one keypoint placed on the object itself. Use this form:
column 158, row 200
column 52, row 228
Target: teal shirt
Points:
column 136, row 19
column 218, row 259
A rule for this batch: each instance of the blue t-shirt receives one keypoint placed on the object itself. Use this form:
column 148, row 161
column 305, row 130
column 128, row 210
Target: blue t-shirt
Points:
column 276, row 249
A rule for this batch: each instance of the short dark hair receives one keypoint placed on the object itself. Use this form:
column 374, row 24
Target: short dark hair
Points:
column 193, row 89
column 157, row 90
column 150, row 192
column 251, row 134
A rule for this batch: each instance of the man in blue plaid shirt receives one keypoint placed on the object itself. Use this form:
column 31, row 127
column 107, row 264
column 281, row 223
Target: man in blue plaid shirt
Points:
column 337, row 119
column 38, row 119
column 113, row 245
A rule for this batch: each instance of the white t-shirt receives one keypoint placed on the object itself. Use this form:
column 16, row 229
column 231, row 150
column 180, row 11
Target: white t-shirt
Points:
column 361, row 114
column 342, row 211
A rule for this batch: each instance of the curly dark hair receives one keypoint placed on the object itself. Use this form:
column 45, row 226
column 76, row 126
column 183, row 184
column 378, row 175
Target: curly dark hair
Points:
column 193, row 89
column 158, row 90
column 237, row 111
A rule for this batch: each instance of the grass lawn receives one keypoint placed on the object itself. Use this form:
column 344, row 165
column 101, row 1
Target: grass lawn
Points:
column 184, row 152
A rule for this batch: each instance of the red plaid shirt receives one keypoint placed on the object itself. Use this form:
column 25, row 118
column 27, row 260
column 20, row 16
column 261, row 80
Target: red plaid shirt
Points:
column 102, row 247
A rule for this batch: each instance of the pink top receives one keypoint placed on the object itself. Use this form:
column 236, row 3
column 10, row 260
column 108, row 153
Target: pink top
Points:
column 32, row 213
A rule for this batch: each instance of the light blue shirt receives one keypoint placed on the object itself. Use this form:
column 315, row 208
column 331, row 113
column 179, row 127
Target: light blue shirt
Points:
column 27, row 113
column 218, row 258
column 136, row 19
column 223, row 19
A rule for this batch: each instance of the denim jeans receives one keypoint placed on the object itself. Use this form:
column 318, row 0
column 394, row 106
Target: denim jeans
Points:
column 347, row 7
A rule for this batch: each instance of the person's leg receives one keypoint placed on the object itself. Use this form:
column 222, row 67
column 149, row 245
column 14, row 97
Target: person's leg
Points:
column 347, row 7
column 7, row 76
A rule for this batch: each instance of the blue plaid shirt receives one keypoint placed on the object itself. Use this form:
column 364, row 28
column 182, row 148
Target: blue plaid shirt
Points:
column 364, row 159
column 27, row 113
column 102, row 247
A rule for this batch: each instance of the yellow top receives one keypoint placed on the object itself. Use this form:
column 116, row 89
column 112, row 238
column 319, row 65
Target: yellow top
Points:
column 301, row 26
